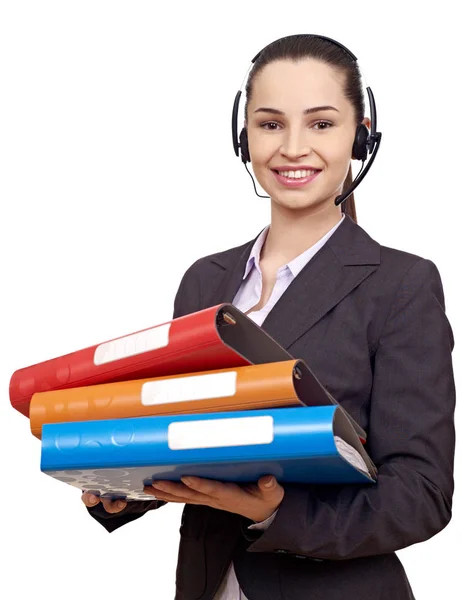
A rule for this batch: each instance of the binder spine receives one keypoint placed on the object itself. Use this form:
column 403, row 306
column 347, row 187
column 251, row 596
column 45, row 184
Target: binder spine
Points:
column 193, row 341
column 221, row 437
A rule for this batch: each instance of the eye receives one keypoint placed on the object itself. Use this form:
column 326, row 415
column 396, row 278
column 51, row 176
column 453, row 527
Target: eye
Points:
column 326, row 125
column 269, row 125
column 273, row 125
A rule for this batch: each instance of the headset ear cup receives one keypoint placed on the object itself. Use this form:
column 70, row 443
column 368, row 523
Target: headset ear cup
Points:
column 244, row 144
column 360, row 143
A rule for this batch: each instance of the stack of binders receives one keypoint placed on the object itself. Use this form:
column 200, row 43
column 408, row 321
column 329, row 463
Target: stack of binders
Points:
column 210, row 394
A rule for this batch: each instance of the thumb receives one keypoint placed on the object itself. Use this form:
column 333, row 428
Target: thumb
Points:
column 267, row 483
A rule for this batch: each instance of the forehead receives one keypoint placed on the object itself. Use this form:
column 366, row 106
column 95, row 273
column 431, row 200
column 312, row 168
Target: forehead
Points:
column 285, row 84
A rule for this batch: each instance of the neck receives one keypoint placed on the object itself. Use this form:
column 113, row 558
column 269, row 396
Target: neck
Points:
column 292, row 232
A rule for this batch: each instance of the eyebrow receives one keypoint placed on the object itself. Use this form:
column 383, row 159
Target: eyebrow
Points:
column 307, row 111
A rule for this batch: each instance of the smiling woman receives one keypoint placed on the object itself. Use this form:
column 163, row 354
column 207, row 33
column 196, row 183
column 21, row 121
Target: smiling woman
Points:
column 286, row 137
column 344, row 84
column 292, row 175
column 370, row 322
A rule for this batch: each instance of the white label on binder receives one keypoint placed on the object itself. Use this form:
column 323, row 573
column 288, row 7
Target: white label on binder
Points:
column 218, row 433
column 195, row 387
column 131, row 345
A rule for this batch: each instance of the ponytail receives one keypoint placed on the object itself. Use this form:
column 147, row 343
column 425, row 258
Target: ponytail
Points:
column 348, row 207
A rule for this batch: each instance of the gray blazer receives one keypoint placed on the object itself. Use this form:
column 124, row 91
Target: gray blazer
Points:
column 370, row 322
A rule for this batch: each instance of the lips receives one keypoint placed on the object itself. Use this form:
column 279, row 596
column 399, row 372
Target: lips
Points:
column 283, row 168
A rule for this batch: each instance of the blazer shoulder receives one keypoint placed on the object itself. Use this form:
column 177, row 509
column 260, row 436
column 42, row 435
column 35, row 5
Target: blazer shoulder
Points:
column 362, row 248
column 401, row 261
column 405, row 271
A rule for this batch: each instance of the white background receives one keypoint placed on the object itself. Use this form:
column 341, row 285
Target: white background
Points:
column 117, row 172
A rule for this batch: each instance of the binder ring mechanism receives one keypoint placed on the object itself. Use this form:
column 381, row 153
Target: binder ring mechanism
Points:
column 226, row 317
column 297, row 372
column 229, row 318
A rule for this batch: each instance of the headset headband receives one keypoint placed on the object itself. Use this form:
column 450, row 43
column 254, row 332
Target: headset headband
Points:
column 365, row 141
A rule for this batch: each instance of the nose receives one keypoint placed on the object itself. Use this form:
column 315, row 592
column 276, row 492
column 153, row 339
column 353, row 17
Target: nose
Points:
column 294, row 144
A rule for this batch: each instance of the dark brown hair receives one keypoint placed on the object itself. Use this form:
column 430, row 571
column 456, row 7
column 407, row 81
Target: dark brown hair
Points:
column 298, row 47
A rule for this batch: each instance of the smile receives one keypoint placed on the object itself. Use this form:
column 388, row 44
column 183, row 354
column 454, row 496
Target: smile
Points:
column 295, row 178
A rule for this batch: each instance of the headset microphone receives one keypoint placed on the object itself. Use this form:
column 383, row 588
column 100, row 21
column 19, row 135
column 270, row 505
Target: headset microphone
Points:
column 360, row 175
column 372, row 145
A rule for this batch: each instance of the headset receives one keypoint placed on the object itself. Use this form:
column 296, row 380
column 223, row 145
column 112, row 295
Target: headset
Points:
column 363, row 144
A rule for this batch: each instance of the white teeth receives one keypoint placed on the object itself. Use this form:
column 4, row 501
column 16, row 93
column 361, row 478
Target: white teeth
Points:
column 297, row 174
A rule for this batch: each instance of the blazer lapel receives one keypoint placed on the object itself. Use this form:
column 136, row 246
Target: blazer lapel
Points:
column 348, row 257
column 322, row 284
column 234, row 262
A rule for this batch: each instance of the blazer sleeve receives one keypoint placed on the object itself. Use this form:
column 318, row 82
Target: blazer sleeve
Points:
column 186, row 301
column 411, row 439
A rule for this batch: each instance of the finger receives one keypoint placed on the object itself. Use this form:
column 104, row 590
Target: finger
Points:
column 179, row 499
column 176, row 488
column 199, row 489
column 162, row 494
column 176, row 494
column 211, row 487
column 90, row 499
column 268, row 484
column 172, row 491
column 113, row 506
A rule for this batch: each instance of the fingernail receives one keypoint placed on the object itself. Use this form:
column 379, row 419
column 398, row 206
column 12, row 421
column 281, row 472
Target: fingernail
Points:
column 120, row 504
column 92, row 499
column 269, row 483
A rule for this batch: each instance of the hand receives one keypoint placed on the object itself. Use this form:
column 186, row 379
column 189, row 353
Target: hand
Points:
column 110, row 506
column 256, row 501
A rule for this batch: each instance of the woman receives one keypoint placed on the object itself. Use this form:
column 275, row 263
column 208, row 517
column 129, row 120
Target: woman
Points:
column 370, row 323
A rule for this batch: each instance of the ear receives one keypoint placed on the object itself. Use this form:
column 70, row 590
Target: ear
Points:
column 367, row 122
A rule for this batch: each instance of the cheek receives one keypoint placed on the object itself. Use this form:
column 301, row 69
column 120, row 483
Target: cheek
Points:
column 261, row 152
column 263, row 146
column 337, row 155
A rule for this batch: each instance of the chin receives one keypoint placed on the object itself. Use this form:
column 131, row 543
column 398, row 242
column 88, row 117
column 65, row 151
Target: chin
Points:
column 294, row 203
column 303, row 202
